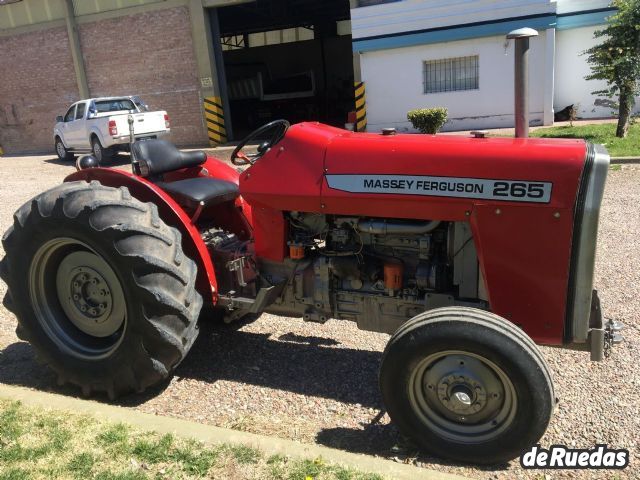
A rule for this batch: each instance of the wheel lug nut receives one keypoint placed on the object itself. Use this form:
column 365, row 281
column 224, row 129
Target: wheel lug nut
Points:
column 76, row 296
column 83, row 308
column 94, row 281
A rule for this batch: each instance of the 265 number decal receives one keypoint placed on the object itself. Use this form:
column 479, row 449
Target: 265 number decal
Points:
column 518, row 189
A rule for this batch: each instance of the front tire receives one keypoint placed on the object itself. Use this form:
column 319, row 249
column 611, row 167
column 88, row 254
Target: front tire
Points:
column 100, row 287
column 467, row 385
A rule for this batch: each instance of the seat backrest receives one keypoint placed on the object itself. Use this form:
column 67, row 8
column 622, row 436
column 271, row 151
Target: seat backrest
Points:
column 156, row 157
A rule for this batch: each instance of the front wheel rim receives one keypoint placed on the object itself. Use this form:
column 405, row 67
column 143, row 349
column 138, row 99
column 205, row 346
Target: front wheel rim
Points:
column 462, row 397
column 77, row 299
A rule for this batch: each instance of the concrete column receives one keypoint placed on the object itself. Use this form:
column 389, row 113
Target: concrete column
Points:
column 549, row 74
column 76, row 50
column 213, row 96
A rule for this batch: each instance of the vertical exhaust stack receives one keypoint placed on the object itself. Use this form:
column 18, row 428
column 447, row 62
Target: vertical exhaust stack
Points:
column 521, row 77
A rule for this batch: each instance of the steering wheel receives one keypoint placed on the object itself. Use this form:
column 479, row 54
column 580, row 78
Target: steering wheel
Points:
column 277, row 129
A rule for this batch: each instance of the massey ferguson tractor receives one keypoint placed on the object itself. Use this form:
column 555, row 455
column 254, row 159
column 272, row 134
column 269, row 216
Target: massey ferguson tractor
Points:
column 467, row 251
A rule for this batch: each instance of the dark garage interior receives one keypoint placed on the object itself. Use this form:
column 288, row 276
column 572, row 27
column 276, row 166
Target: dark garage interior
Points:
column 288, row 59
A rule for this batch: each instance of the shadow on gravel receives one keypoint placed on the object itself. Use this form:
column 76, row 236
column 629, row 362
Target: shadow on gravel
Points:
column 385, row 441
column 300, row 366
column 305, row 365
column 19, row 365
column 310, row 366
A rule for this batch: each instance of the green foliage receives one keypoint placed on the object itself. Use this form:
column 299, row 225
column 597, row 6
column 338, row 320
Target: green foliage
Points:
column 194, row 458
column 603, row 133
column 616, row 60
column 127, row 475
column 15, row 474
column 428, row 120
column 153, row 451
column 37, row 443
column 244, row 455
column 10, row 427
column 81, row 465
column 115, row 439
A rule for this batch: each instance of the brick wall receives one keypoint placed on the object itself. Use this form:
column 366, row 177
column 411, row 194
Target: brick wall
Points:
column 37, row 82
column 151, row 55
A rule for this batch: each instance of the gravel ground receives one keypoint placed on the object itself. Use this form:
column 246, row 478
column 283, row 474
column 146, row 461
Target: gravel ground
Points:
column 312, row 383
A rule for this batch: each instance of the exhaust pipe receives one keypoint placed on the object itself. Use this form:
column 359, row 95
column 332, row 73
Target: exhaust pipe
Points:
column 521, row 76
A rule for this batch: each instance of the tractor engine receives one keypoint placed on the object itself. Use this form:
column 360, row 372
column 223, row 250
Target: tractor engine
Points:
column 376, row 272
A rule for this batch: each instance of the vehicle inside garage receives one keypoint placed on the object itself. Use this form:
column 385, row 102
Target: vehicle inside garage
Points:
column 289, row 59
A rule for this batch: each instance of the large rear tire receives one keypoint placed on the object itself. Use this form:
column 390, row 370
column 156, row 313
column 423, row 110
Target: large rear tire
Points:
column 101, row 287
column 467, row 385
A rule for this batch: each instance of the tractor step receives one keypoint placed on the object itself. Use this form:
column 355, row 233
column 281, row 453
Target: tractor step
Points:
column 240, row 306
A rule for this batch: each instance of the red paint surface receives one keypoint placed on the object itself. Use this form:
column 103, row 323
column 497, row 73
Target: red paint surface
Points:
column 524, row 250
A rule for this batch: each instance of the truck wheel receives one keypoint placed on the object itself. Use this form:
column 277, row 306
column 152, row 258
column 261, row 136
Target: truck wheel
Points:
column 467, row 385
column 62, row 152
column 100, row 287
column 99, row 151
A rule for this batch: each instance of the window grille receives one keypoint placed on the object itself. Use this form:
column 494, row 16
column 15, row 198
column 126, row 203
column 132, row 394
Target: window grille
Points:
column 451, row 74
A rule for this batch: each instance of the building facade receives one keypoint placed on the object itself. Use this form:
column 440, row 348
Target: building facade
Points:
column 54, row 53
column 220, row 68
column 419, row 54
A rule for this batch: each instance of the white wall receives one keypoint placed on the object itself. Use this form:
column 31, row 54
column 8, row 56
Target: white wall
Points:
column 394, row 82
column 566, row 6
column 410, row 15
column 571, row 68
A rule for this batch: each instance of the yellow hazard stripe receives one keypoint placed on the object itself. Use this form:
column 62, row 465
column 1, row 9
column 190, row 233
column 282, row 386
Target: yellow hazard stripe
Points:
column 214, row 117
column 361, row 106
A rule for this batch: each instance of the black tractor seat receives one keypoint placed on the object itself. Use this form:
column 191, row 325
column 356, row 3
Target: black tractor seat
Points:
column 157, row 157
column 190, row 193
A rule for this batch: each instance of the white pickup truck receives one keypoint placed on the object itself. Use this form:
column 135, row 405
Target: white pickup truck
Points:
column 101, row 126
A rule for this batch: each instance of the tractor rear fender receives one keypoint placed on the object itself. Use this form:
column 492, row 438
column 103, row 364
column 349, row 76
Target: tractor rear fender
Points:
column 171, row 214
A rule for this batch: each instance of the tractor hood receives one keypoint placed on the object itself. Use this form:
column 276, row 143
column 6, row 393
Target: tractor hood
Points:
column 325, row 169
column 532, row 206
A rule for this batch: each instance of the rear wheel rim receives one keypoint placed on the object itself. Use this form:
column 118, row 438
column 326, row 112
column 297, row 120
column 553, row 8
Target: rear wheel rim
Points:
column 97, row 150
column 77, row 299
column 462, row 397
column 60, row 149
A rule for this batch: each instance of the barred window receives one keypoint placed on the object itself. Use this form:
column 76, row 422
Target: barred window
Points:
column 451, row 74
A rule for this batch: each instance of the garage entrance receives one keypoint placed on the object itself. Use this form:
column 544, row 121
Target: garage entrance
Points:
column 289, row 59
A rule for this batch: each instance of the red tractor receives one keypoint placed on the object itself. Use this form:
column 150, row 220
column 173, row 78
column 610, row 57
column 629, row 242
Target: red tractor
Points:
column 468, row 251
